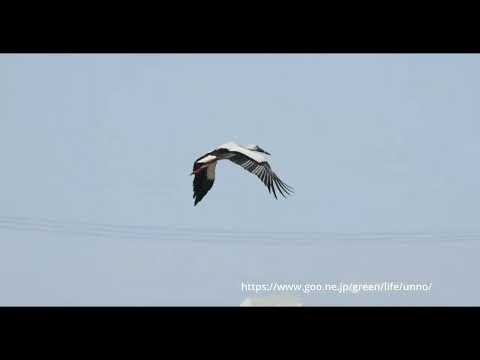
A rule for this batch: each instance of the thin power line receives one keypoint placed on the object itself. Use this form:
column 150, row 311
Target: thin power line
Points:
column 85, row 228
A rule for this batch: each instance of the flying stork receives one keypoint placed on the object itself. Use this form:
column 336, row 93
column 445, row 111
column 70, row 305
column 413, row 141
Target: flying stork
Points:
column 250, row 157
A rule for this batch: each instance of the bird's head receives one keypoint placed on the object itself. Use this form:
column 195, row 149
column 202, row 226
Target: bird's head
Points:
column 257, row 148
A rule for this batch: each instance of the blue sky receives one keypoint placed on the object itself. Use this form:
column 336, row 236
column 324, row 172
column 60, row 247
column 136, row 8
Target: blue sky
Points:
column 371, row 143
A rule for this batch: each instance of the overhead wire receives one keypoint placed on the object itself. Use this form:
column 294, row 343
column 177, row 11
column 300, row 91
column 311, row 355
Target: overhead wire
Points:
column 191, row 233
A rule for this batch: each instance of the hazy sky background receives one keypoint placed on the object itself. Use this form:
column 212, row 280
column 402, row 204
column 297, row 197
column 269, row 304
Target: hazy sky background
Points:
column 96, row 200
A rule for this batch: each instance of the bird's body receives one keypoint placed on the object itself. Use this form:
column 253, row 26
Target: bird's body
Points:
column 250, row 157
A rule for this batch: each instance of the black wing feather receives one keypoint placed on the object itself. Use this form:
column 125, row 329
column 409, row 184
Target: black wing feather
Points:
column 264, row 172
column 201, row 185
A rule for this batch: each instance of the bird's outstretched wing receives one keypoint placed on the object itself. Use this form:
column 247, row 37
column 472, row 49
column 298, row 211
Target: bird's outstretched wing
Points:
column 264, row 172
column 203, row 182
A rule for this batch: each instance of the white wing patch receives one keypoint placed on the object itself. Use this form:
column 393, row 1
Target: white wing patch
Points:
column 211, row 171
column 231, row 146
column 207, row 159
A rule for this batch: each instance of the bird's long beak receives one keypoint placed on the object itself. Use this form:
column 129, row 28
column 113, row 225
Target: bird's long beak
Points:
column 196, row 171
column 266, row 152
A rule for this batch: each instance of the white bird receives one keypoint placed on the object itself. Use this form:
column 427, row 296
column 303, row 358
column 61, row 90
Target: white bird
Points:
column 249, row 157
